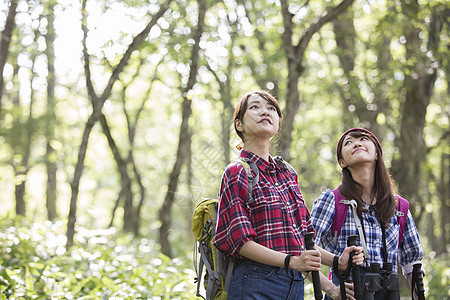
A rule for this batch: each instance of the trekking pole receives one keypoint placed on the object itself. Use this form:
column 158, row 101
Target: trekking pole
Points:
column 417, row 282
column 351, row 241
column 309, row 243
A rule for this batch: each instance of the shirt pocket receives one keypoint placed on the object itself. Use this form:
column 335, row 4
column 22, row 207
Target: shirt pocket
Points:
column 266, row 202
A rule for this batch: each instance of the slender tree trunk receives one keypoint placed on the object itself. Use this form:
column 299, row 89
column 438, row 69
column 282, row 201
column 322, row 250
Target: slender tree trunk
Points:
column 226, row 118
column 183, row 142
column 4, row 45
column 125, row 179
column 29, row 128
column 116, row 205
column 97, row 104
column 294, row 55
column 50, row 120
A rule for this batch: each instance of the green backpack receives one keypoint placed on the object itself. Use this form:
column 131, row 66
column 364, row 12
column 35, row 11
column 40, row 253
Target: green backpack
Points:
column 218, row 268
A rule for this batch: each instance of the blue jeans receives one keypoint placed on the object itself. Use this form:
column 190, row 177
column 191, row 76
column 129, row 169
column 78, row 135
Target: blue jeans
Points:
column 362, row 271
column 252, row 280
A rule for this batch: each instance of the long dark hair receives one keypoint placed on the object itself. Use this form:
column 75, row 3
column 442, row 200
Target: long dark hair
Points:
column 384, row 186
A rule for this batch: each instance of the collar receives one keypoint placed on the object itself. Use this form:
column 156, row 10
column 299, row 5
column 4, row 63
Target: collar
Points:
column 261, row 163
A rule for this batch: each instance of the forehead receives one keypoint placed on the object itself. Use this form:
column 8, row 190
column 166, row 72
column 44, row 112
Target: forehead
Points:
column 354, row 135
column 256, row 98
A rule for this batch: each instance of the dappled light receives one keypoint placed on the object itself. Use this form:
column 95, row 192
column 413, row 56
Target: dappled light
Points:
column 117, row 117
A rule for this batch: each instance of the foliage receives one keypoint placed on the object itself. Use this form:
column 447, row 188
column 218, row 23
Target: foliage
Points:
column 103, row 265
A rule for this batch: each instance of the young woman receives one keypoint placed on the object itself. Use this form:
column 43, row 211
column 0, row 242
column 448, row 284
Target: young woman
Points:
column 265, row 230
column 366, row 180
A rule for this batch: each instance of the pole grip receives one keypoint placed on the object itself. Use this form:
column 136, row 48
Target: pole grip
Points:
column 417, row 282
column 351, row 241
column 309, row 244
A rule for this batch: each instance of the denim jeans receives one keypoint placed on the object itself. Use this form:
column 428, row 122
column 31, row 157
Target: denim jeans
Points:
column 362, row 271
column 252, row 280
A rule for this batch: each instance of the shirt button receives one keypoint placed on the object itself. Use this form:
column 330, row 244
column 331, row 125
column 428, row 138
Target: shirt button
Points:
column 295, row 226
column 276, row 183
column 376, row 257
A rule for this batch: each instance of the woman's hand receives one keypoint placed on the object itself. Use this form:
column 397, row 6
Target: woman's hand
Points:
column 309, row 260
column 358, row 258
column 335, row 293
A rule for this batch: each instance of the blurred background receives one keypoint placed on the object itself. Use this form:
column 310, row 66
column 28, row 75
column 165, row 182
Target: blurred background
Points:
column 116, row 118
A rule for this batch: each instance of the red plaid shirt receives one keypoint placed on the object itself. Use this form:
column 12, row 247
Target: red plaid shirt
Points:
column 276, row 217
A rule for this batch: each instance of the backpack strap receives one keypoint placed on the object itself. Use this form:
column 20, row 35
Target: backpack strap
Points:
column 284, row 165
column 213, row 276
column 402, row 215
column 252, row 180
column 340, row 213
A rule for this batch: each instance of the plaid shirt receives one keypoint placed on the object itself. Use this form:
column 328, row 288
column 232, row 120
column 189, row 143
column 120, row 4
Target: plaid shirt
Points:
column 276, row 217
column 410, row 251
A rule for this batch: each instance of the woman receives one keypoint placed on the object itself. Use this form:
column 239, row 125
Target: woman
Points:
column 265, row 229
column 366, row 180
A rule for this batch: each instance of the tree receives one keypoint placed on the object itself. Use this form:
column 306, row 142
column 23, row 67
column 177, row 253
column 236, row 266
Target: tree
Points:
column 97, row 104
column 184, row 139
column 50, row 118
column 4, row 45
column 294, row 58
column 420, row 76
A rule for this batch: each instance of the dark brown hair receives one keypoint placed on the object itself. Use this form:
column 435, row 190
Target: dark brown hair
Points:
column 384, row 186
column 241, row 108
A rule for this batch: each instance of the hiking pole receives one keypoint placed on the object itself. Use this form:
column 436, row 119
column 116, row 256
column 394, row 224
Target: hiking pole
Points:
column 309, row 243
column 417, row 282
column 351, row 241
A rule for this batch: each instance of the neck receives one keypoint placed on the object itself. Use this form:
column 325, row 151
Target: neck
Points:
column 260, row 147
column 364, row 175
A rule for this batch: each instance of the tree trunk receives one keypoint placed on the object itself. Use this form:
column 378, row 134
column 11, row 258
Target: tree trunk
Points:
column 25, row 144
column 345, row 33
column 125, row 179
column 4, row 45
column 50, row 120
column 19, row 193
column 419, row 84
column 444, row 239
column 184, row 135
column 97, row 104
column 294, row 55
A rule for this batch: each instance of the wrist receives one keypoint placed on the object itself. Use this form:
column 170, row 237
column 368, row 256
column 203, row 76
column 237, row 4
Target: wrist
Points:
column 336, row 263
column 287, row 262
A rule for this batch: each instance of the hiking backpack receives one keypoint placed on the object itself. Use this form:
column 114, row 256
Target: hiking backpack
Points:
column 218, row 268
column 340, row 213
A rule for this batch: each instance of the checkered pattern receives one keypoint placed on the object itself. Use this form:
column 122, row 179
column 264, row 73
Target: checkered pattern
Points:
column 276, row 217
column 410, row 250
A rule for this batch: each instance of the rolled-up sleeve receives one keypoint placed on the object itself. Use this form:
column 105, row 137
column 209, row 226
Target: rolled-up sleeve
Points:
column 410, row 247
column 233, row 227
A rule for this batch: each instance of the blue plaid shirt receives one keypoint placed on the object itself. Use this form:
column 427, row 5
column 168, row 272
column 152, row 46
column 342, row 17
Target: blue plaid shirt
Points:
column 410, row 251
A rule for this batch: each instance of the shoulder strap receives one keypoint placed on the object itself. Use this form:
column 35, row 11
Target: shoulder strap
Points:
column 402, row 215
column 284, row 165
column 340, row 212
column 252, row 180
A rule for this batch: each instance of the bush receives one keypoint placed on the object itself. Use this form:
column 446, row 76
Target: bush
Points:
column 103, row 265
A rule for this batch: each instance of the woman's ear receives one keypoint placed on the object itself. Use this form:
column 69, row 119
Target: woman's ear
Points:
column 238, row 125
column 342, row 163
